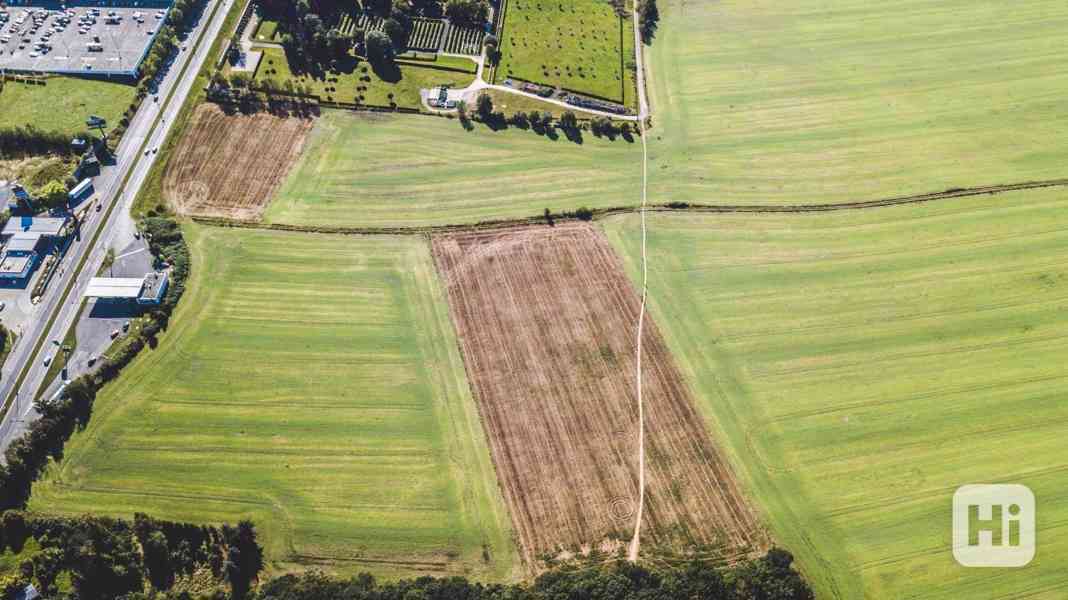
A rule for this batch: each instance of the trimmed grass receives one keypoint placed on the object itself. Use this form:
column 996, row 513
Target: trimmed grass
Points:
column 343, row 86
column 510, row 104
column 859, row 366
column 63, row 104
column 265, row 31
column 366, row 170
column 320, row 392
column 7, row 338
column 779, row 103
column 580, row 45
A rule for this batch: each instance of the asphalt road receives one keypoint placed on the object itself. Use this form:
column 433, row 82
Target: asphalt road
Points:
column 130, row 159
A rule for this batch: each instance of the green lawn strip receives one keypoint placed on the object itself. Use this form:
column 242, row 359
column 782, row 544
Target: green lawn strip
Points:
column 150, row 196
column 510, row 104
column 377, row 170
column 789, row 103
column 360, row 81
column 266, row 31
column 319, row 392
column 9, row 342
column 455, row 63
column 580, row 45
column 859, row 366
column 63, row 103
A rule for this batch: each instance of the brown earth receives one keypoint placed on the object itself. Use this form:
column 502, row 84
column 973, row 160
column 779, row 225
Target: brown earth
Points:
column 546, row 319
column 230, row 165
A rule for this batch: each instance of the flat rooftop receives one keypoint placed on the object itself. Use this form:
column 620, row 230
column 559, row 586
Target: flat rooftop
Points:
column 23, row 242
column 41, row 225
column 14, row 265
column 109, row 40
column 114, row 287
column 153, row 283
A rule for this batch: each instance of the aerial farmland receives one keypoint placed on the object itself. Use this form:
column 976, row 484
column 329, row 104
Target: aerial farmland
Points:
column 571, row 299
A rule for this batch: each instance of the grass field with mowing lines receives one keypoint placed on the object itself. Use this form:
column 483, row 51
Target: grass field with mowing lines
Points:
column 580, row 45
column 861, row 365
column 63, row 104
column 782, row 103
column 319, row 392
column 366, row 170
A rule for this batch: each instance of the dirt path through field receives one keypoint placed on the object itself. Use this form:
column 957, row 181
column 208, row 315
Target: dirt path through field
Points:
column 635, row 540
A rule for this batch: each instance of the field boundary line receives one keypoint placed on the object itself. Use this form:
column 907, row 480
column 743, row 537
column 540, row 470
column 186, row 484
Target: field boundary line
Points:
column 598, row 213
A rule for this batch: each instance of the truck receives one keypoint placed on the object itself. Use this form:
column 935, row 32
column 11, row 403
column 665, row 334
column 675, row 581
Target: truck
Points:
column 81, row 191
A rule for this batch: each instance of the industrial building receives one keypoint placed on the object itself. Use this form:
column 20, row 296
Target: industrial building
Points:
column 24, row 239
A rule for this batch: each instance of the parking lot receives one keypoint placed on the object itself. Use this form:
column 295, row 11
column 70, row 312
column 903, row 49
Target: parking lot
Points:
column 110, row 40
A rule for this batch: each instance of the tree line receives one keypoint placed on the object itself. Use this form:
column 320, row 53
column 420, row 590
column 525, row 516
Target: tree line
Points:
column 543, row 123
column 770, row 577
column 108, row 558
column 27, row 140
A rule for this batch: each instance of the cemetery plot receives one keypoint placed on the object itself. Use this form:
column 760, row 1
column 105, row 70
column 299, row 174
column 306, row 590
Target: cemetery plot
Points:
column 426, row 34
column 464, row 40
column 585, row 46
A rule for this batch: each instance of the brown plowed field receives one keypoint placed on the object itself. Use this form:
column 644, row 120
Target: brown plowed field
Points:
column 546, row 320
column 230, row 165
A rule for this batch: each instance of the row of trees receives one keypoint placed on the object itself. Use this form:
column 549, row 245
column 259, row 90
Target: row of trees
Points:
column 768, row 578
column 648, row 18
column 112, row 558
column 27, row 140
column 543, row 122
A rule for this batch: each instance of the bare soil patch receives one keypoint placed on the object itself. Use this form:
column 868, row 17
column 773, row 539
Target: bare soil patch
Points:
column 231, row 165
column 546, row 322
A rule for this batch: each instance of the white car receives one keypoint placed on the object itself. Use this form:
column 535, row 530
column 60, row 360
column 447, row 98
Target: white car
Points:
column 47, row 360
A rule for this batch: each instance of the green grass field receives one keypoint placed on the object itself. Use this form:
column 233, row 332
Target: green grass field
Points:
column 319, row 392
column 779, row 103
column 63, row 103
column 859, row 366
column 343, row 86
column 361, row 170
column 580, row 45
